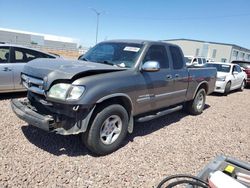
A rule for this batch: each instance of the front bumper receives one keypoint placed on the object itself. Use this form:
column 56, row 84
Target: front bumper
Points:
column 66, row 126
column 26, row 113
column 220, row 87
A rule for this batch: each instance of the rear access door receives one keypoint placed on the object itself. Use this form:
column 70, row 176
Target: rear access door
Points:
column 180, row 74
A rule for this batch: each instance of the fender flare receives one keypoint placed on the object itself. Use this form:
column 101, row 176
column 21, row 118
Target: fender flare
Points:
column 203, row 82
column 131, row 118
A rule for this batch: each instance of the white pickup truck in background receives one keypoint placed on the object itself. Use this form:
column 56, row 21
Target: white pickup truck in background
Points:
column 195, row 61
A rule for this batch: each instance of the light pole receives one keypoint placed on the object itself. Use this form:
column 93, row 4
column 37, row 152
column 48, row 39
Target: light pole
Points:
column 97, row 22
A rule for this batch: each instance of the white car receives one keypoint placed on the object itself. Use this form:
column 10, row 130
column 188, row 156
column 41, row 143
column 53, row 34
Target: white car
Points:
column 195, row 61
column 229, row 77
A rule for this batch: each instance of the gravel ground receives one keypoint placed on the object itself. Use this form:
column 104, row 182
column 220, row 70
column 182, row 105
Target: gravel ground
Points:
column 177, row 143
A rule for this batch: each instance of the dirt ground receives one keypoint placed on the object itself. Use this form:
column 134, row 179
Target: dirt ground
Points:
column 176, row 143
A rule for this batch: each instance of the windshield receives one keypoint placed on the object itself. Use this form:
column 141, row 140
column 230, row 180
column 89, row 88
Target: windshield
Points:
column 188, row 60
column 117, row 54
column 220, row 67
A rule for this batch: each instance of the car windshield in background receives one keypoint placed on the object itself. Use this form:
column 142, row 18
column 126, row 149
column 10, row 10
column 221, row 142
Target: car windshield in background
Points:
column 188, row 60
column 245, row 65
column 118, row 54
column 220, row 67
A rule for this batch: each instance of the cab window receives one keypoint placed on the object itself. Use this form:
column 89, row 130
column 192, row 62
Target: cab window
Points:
column 157, row 53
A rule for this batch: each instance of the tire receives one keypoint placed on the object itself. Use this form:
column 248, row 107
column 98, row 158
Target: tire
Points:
column 227, row 88
column 243, row 85
column 108, row 129
column 196, row 106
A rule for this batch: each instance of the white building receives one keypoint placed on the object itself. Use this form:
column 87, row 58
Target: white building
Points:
column 37, row 40
column 212, row 50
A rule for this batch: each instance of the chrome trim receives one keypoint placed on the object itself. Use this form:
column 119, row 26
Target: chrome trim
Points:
column 151, row 66
column 147, row 97
column 36, row 90
column 144, row 99
column 32, row 80
column 33, row 84
column 170, row 93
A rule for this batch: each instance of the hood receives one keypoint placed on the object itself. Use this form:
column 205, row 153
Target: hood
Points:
column 222, row 74
column 59, row 69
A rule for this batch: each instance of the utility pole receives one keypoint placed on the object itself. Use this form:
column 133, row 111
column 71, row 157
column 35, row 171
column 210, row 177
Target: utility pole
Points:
column 97, row 22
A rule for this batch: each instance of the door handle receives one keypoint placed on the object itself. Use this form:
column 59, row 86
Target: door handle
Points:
column 6, row 69
column 169, row 76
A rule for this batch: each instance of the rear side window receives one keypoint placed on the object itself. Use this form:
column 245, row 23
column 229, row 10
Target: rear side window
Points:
column 22, row 55
column 157, row 53
column 176, row 57
column 4, row 54
column 199, row 61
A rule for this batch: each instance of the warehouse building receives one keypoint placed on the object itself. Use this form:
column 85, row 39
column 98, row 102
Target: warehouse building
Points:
column 222, row 52
column 63, row 46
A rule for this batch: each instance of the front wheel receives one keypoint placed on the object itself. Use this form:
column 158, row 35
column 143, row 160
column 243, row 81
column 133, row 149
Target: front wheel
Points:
column 108, row 129
column 243, row 85
column 196, row 106
column 227, row 88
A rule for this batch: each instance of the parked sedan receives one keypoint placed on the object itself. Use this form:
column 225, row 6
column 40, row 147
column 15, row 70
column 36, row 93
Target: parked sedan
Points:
column 229, row 77
column 245, row 66
column 12, row 60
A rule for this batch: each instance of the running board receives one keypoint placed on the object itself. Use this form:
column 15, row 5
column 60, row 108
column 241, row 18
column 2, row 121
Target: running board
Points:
column 159, row 114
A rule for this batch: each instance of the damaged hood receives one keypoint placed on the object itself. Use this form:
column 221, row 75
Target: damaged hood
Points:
column 58, row 69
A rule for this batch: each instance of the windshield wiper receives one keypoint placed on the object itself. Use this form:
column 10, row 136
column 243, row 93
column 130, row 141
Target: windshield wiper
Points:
column 84, row 59
column 107, row 63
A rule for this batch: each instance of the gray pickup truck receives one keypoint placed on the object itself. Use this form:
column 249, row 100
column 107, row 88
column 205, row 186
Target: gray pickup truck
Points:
column 114, row 84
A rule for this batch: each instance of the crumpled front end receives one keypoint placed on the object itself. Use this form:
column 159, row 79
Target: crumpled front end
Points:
column 53, row 117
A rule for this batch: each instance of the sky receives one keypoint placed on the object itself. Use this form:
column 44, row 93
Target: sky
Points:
column 226, row 21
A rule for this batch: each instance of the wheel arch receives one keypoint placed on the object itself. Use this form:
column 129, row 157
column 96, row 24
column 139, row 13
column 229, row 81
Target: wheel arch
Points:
column 202, row 85
column 117, row 98
column 122, row 99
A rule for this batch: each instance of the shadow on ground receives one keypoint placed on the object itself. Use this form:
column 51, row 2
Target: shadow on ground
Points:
column 53, row 143
column 72, row 145
column 230, row 93
column 6, row 96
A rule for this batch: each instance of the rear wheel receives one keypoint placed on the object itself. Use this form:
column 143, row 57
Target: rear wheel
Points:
column 108, row 129
column 196, row 106
column 227, row 88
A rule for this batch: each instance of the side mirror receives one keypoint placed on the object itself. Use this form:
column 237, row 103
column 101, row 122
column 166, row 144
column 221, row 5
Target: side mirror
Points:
column 235, row 72
column 151, row 66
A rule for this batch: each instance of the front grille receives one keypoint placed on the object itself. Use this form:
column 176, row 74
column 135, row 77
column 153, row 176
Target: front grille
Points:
column 32, row 84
